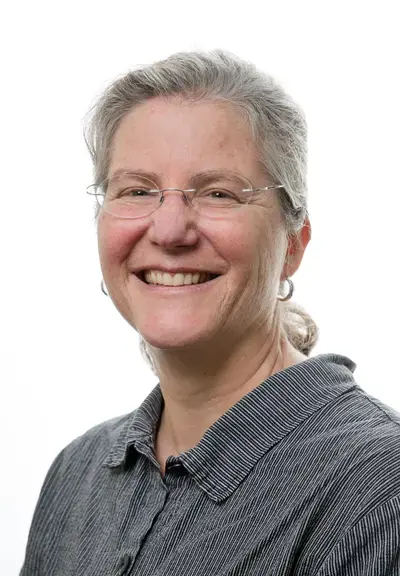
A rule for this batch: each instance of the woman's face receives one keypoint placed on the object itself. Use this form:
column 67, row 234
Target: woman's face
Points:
column 175, row 140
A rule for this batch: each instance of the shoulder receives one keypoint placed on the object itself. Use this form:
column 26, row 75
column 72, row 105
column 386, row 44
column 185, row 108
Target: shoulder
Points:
column 360, row 461
column 370, row 546
column 86, row 454
column 75, row 475
column 103, row 435
column 100, row 439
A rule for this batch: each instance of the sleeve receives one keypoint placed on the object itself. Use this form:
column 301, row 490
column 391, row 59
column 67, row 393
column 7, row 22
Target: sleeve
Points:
column 39, row 533
column 371, row 547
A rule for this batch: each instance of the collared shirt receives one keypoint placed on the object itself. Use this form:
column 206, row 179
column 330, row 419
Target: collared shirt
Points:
column 301, row 477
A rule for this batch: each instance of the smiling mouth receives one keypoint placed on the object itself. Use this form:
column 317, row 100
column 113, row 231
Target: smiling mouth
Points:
column 159, row 278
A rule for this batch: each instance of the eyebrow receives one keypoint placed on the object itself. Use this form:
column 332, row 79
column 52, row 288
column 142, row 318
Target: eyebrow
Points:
column 204, row 177
column 130, row 172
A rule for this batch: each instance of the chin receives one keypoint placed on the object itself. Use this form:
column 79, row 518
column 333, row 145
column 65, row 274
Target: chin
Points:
column 173, row 339
column 169, row 343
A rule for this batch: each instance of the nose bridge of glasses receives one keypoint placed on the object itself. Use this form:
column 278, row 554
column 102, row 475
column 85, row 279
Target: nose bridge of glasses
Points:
column 184, row 192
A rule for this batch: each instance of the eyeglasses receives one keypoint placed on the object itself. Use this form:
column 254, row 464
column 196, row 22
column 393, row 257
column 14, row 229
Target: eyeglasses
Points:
column 216, row 195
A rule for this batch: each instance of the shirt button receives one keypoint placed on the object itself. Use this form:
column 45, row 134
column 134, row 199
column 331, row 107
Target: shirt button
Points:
column 176, row 464
column 123, row 565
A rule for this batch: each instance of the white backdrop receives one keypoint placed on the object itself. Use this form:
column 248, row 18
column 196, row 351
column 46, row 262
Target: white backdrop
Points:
column 69, row 360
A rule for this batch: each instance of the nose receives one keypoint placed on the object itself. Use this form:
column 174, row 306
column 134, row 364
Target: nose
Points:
column 174, row 223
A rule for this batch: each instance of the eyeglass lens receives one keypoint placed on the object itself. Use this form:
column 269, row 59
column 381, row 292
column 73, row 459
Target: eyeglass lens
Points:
column 134, row 196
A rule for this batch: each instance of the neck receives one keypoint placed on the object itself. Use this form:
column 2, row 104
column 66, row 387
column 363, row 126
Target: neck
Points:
column 200, row 385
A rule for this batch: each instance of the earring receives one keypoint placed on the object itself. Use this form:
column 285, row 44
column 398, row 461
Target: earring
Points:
column 289, row 294
column 102, row 288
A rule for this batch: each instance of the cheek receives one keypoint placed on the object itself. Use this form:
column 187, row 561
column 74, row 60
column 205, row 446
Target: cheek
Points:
column 257, row 255
column 115, row 240
column 246, row 244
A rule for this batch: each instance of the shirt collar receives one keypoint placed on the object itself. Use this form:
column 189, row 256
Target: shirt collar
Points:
column 232, row 446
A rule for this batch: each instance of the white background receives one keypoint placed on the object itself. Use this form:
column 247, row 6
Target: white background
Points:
column 69, row 360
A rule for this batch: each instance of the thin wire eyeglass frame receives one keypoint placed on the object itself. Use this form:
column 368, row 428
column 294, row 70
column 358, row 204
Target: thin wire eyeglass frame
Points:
column 184, row 193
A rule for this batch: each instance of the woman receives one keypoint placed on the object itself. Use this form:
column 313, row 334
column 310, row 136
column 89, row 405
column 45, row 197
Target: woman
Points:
column 248, row 458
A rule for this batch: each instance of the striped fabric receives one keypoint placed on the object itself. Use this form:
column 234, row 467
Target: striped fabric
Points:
column 301, row 477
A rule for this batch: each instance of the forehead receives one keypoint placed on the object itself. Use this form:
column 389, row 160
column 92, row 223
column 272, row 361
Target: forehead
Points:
column 175, row 137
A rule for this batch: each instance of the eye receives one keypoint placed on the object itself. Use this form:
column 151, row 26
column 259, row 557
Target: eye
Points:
column 220, row 193
column 134, row 192
column 217, row 193
column 217, row 196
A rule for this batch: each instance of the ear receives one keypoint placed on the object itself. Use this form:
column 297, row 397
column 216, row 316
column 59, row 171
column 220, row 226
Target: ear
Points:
column 297, row 245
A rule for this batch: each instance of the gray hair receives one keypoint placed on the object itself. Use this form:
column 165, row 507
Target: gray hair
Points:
column 277, row 124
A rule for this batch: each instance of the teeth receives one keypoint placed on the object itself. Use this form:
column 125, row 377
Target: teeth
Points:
column 167, row 279
column 180, row 279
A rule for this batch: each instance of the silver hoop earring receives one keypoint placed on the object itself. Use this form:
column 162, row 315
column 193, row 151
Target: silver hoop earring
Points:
column 289, row 294
column 102, row 288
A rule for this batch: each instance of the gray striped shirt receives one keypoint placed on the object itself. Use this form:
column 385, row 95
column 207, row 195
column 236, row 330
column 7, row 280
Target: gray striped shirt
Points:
column 301, row 477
